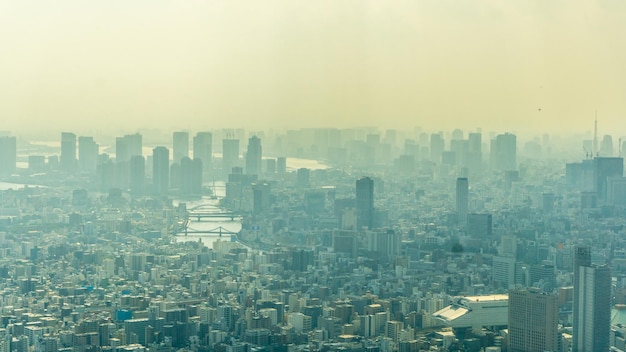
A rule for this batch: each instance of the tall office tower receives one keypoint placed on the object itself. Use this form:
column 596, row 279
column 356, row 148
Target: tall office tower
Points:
column 592, row 303
column 254, row 156
column 106, row 173
column 594, row 309
column 436, row 147
column 462, row 200
column 533, row 321
column 88, row 151
column 364, row 202
column 504, row 152
column 261, row 197
column 68, row 152
column 160, row 170
column 8, row 155
column 187, row 176
column 135, row 144
column 603, row 168
column 230, row 155
column 137, row 175
column 203, row 149
column 180, row 146
column 474, row 152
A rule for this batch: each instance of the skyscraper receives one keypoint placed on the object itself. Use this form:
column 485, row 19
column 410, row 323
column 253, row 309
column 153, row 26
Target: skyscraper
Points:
column 533, row 321
column 186, row 176
column 365, row 202
column 603, row 168
column 474, row 152
column 462, row 199
column 68, row 152
column 230, row 155
column 436, row 147
column 180, row 145
column 504, row 152
column 160, row 170
column 8, row 155
column 87, row 154
column 137, row 175
column 203, row 149
column 592, row 303
column 254, row 156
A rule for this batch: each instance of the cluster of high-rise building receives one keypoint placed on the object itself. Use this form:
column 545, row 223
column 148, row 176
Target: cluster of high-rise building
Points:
column 393, row 241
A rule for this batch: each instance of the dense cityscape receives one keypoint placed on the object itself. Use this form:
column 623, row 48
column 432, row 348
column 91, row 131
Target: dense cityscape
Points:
column 318, row 239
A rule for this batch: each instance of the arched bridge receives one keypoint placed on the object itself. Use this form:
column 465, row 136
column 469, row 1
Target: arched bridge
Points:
column 208, row 211
column 216, row 231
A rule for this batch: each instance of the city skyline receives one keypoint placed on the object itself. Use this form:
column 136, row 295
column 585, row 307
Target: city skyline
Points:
column 321, row 176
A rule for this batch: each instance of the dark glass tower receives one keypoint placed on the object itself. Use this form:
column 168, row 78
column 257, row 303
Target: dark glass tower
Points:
column 592, row 303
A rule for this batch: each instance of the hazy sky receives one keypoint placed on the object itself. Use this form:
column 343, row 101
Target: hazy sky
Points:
column 187, row 64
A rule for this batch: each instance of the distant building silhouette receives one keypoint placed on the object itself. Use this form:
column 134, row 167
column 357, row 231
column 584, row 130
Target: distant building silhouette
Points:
column 474, row 152
column 127, row 146
column 8, row 155
column 68, row 161
column 88, row 151
column 160, row 170
column 137, row 175
column 365, row 202
column 254, row 156
column 606, row 146
column 180, row 146
column 203, row 149
column 436, row 147
column 603, row 169
column 504, row 152
column 230, row 155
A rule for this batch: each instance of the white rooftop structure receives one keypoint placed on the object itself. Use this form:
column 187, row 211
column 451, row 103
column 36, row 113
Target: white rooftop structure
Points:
column 475, row 312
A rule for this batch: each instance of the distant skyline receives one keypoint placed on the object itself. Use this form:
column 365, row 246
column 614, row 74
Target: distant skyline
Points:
column 195, row 65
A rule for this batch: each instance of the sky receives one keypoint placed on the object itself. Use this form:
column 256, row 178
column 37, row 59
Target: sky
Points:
column 438, row 64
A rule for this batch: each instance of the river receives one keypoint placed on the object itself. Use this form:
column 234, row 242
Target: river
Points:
column 210, row 205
